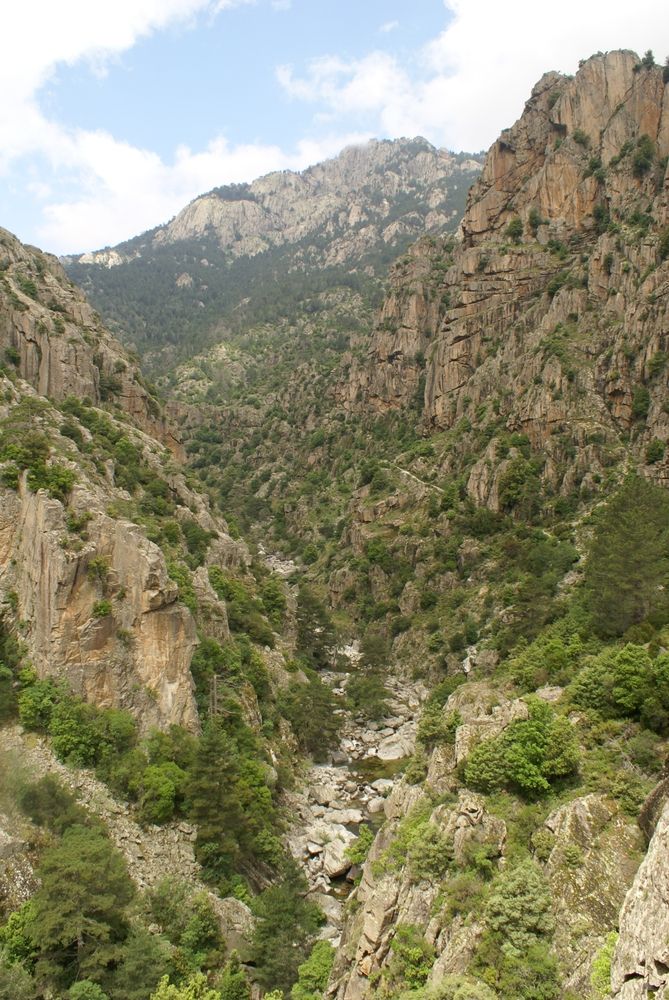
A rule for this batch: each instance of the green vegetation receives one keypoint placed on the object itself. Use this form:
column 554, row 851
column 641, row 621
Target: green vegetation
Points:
column 627, row 568
column 284, row 933
column 313, row 975
column 514, row 230
column 644, row 156
column 527, row 757
column 513, row 956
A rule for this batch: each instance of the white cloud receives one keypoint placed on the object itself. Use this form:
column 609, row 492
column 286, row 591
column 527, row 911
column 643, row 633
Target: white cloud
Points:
column 108, row 190
column 282, row 4
column 473, row 79
column 389, row 26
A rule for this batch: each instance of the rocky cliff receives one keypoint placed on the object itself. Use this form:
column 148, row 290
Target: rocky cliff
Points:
column 57, row 342
column 641, row 960
column 90, row 592
column 551, row 308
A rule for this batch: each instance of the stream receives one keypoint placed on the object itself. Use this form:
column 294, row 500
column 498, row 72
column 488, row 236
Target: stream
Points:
column 337, row 797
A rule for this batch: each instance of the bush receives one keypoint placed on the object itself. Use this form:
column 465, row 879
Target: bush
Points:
column 626, row 683
column 655, row 451
column 644, row 155
column 534, row 220
column 284, row 931
column 411, row 959
column 310, row 709
column 313, row 975
column 357, row 851
column 514, row 230
column 36, row 704
column 162, row 790
column 513, row 956
column 245, row 612
column 437, row 727
column 600, row 977
column 48, row 803
column 663, row 245
column 527, row 756
column 367, row 695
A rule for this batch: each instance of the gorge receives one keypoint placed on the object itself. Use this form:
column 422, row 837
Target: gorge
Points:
column 352, row 623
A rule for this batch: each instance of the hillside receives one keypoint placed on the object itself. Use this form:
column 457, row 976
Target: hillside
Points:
column 413, row 557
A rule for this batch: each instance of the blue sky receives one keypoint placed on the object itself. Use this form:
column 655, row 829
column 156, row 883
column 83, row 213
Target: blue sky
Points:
column 115, row 115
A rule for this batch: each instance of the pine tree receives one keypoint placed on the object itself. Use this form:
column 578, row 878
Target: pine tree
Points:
column 214, row 802
column 628, row 568
column 78, row 918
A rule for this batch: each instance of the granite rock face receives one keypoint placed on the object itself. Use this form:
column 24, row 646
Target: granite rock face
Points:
column 640, row 964
column 138, row 656
column 59, row 345
column 566, row 309
column 354, row 198
column 89, row 590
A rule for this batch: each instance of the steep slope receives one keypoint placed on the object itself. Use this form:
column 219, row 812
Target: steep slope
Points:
column 251, row 252
column 81, row 432
column 553, row 310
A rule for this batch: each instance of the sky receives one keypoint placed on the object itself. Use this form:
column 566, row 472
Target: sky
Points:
column 115, row 115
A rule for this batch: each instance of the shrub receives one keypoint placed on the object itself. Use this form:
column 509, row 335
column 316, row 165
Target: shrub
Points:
column 628, row 565
column 357, row 851
column 436, row 727
column 197, row 542
column 600, row 977
column 313, row 975
column 366, row 693
column 580, row 137
column 86, row 989
column 48, row 803
column 244, row 610
column 655, row 451
column 162, row 788
column 429, row 853
column 310, row 709
column 73, row 732
column 101, row 609
column 626, row 683
column 513, row 955
column 514, row 230
column 534, row 220
column 527, row 756
column 97, row 570
column 640, row 402
column 411, row 959
column 644, row 155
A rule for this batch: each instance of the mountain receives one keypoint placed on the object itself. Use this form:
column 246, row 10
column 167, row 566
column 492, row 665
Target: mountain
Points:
column 250, row 251
column 421, row 540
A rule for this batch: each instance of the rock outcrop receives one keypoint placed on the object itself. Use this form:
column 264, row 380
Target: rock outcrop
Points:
column 595, row 854
column 89, row 591
column 640, row 965
column 151, row 853
column 557, row 290
column 57, row 342
column 137, row 656
column 387, row 897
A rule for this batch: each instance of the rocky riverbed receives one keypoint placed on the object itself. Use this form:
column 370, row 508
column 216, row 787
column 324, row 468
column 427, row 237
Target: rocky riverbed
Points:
column 337, row 797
